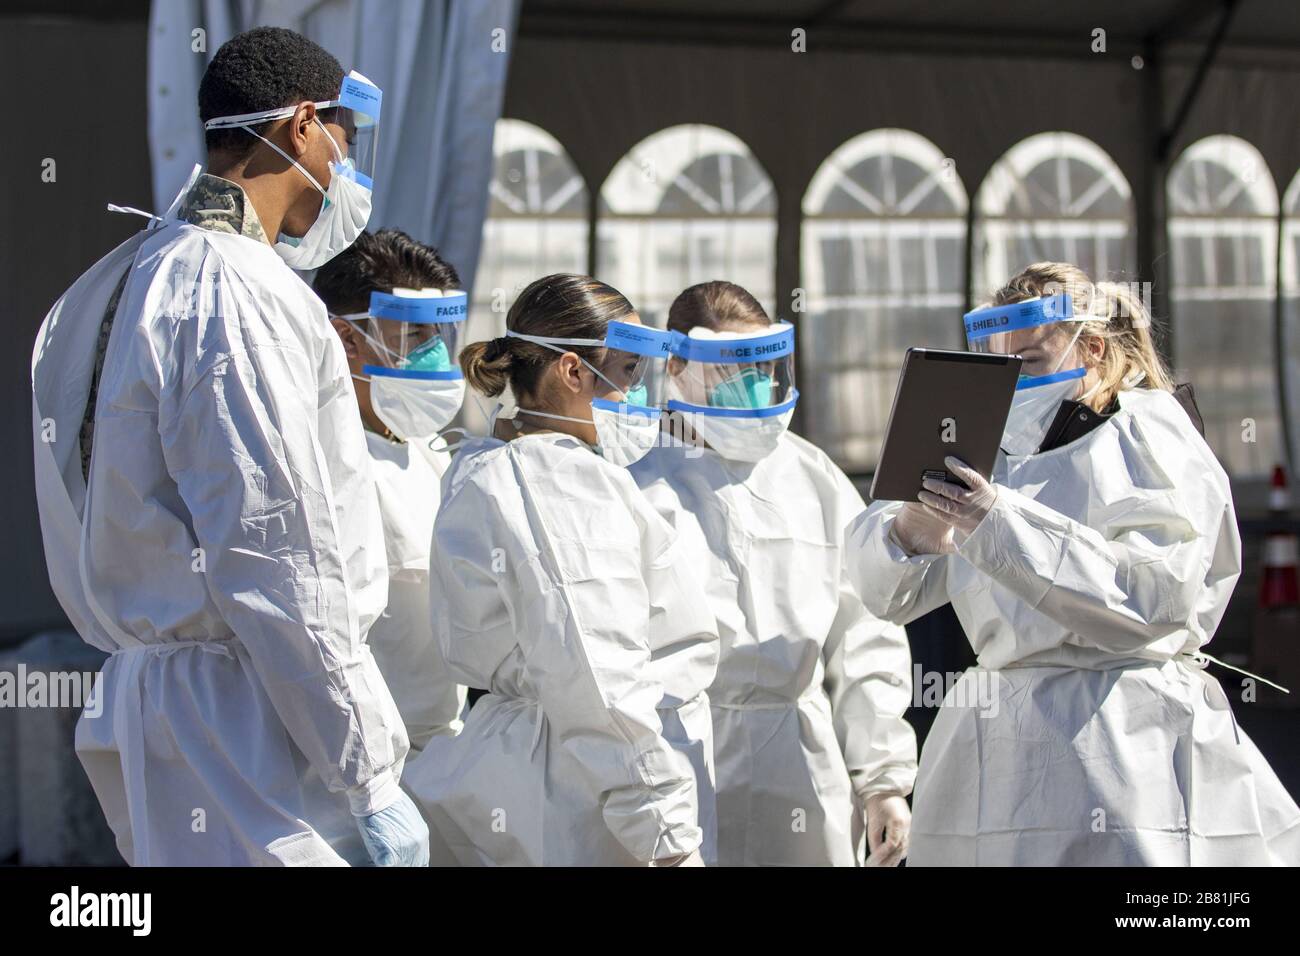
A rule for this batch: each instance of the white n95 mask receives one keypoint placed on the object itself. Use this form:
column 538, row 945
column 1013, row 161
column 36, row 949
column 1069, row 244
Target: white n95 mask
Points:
column 415, row 408
column 1034, row 408
column 344, row 213
column 743, row 439
column 624, row 433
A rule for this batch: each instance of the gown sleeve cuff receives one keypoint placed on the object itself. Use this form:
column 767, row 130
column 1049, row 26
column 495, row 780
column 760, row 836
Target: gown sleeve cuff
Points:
column 377, row 793
column 898, row 779
column 881, row 570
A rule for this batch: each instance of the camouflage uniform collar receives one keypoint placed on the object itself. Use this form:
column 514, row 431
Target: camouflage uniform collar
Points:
column 222, row 206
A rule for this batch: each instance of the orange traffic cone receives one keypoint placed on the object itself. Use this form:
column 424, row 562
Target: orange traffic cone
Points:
column 1277, row 618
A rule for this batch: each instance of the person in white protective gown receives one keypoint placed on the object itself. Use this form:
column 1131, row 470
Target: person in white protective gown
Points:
column 1087, row 575
column 207, row 507
column 808, row 732
column 558, row 588
column 394, row 304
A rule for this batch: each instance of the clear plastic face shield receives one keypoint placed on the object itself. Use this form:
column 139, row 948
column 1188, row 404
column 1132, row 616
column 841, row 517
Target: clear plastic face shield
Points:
column 1044, row 332
column 733, row 374
column 413, row 333
column 625, row 409
column 635, row 359
column 734, row 390
column 409, row 341
column 356, row 111
column 631, row 373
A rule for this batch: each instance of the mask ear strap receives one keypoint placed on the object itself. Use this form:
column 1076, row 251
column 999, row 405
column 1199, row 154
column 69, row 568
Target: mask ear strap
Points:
column 488, row 415
column 338, row 156
column 451, row 447
column 310, row 178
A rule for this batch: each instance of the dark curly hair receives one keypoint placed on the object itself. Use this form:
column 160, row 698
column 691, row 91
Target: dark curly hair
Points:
column 379, row 262
column 262, row 69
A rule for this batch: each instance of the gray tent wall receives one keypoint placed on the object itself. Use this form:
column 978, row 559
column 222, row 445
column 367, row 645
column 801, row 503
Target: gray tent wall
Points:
column 91, row 122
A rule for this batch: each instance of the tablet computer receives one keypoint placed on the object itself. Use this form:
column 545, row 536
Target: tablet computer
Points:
column 947, row 403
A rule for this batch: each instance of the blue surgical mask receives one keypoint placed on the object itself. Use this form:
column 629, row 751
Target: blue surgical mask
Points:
column 748, row 389
column 430, row 356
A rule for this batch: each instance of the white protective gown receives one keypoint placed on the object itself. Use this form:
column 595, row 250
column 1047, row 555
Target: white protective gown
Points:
column 811, row 689
column 407, row 477
column 1089, row 733
column 557, row 587
column 227, row 552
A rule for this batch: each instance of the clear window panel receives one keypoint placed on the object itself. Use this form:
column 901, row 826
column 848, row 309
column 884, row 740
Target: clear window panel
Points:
column 883, row 267
column 1052, row 197
column 687, row 205
column 1290, row 289
column 1223, row 235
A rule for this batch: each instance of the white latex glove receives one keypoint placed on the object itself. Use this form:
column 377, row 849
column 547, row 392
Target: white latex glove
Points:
column 889, row 821
column 962, row 509
column 922, row 530
column 690, row 859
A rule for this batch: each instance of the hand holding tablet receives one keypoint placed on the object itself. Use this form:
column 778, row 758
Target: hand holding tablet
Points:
column 948, row 404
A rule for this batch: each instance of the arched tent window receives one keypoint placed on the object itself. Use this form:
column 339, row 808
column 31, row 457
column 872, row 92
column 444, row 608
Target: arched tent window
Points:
column 686, row 205
column 1223, row 232
column 537, row 224
column 883, row 241
column 1057, row 197
column 1291, row 315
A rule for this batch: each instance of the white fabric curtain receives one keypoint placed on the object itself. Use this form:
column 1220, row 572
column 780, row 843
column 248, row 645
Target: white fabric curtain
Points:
column 441, row 64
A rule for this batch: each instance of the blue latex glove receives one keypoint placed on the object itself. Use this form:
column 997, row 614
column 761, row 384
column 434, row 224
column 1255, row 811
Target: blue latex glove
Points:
column 397, row 835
